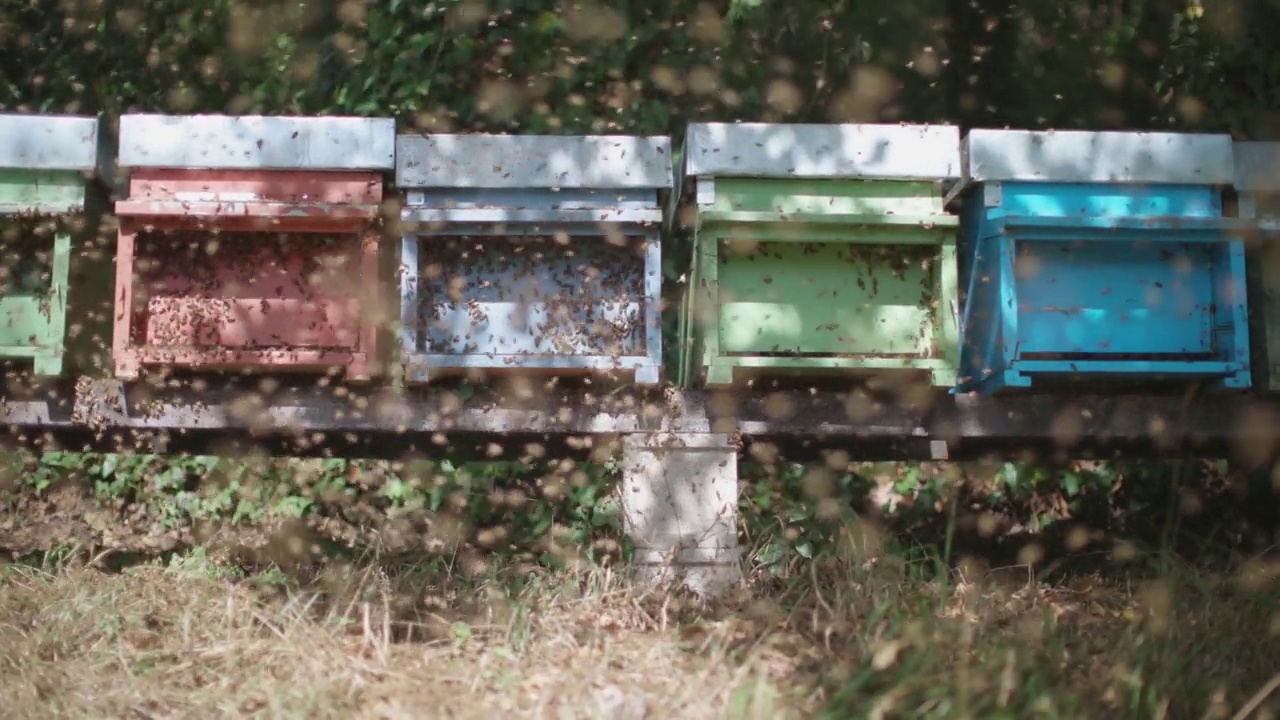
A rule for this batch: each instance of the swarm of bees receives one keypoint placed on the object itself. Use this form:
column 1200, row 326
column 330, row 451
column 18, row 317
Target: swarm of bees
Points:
column 532, row 296
column 221, row 292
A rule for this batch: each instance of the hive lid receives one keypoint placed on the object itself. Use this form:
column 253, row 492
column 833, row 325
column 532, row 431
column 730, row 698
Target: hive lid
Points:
column 1257, row 166
column 849, row 151
column 48, row 142
column 1076, row 156
column 256, row 142
column 604, row 162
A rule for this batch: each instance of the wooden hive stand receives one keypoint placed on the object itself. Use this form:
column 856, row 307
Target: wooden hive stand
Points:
column 45, row 164
column 820, row 249
column 249, row 242
column 1100, row 256
column 532, row 254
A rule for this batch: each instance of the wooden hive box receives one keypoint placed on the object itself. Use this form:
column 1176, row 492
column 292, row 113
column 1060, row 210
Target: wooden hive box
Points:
column 1257, row 189
column 532, row 254
column 1100, row 255
column 820, row 249
column 46, row 162
column 249, row 242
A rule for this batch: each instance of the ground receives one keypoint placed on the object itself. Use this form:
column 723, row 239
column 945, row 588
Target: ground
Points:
column 101, row 619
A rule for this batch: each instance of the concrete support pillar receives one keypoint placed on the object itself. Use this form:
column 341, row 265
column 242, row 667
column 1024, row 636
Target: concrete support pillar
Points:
column 680, row 504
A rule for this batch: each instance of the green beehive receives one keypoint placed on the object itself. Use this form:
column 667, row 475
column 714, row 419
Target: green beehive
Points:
column 1257, row 189
column 819, row 249
column 45, row 164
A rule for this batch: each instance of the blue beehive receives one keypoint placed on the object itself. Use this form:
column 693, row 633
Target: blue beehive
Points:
column 1099, row 255
column 532, row 253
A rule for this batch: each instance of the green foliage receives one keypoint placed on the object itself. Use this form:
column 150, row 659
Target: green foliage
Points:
column 1225, row 64
column 796, row 495
column 790, row 514
column 510, row 507
column 546, row 66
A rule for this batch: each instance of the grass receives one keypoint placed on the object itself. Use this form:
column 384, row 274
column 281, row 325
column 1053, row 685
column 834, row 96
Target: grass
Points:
column 185, row 640
column 849, row 634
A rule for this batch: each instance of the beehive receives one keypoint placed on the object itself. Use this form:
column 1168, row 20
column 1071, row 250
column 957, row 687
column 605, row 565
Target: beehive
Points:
column 45, row 164
column 818, row 249
column 249, row 242
column 1100, row 255
column 532, row 254
column 1257, row 187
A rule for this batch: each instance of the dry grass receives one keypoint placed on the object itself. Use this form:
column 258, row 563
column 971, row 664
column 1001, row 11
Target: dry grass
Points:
column 371, row 640
column 180, row 641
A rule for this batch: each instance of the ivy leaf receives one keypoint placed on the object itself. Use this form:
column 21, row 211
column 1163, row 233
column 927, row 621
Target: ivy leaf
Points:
column 1009, row 475
column 805, row 549
column 1071, row 484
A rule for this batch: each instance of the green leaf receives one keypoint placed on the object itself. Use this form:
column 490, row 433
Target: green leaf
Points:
column 804, row 549
column 800, row 514
column 542, row 526
column 1009, row 475
column 505, row 653
column 771, row 552
column 547, row 22
column 461, row 633
column 1071, row 484
column 395, row 489
column 606, row 512
column 293, row 507
column 422, row 42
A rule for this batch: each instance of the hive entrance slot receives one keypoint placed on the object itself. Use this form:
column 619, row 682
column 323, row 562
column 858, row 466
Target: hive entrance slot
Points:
column 246, row 290
column 1120, row 357
column 828, row 300
column 531, row 296
column 833, row 356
